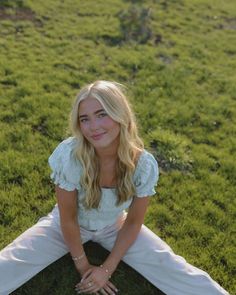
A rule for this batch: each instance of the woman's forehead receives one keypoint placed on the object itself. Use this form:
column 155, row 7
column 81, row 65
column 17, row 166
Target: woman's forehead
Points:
column 89, row 104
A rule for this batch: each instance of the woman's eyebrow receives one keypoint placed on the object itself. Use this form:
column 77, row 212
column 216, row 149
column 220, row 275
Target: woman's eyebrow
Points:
column 96, row 112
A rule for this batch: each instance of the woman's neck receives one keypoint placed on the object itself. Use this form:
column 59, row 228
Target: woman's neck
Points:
column 107, row 154
column 108, row 164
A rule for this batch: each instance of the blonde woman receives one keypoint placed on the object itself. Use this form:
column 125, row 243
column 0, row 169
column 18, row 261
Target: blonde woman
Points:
column 99, row 173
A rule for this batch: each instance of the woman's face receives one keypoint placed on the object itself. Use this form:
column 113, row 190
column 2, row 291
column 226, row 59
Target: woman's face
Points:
column 97, row 126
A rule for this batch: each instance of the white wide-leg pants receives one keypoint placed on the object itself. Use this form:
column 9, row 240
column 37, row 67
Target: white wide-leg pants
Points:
column 43, row 243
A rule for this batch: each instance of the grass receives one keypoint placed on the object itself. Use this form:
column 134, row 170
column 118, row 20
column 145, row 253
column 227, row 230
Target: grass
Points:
column 181, row 81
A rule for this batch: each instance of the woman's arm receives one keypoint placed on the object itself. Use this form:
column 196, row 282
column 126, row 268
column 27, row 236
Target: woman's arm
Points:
column 125, row 238
column 128, row 233
column 67, row 203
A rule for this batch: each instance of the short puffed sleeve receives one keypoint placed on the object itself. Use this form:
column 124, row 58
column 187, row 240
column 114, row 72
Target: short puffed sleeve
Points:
column 146, row 175
column 66, row 169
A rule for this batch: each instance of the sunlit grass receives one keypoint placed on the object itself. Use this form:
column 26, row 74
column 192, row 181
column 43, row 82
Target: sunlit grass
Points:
column 182, row 86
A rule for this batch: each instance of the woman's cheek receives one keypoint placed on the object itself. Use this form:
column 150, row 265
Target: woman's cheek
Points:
column 84, row 129
column 108, row 121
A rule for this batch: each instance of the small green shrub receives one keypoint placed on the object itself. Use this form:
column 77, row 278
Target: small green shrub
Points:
column 135, row 24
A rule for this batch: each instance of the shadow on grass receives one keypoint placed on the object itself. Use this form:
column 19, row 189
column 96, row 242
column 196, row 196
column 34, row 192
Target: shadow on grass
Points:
column 60, row 277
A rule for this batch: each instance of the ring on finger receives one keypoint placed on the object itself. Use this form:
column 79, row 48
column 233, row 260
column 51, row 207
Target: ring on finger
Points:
column 90, row 284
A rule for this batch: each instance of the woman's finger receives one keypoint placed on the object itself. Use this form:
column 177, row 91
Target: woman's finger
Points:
column 84, row 283
column 84, row 277
column 109, row 290
column 88, row 291
column 86, row 274
column 86, row 287
column 112, row 286
column 103, row 291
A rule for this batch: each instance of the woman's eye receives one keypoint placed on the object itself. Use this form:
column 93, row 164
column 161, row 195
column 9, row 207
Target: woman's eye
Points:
column 102, row 115
column 83, row 120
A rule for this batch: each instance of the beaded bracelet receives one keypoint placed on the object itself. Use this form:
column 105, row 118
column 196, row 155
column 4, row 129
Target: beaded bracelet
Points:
column 76, row 259
column 106, row 270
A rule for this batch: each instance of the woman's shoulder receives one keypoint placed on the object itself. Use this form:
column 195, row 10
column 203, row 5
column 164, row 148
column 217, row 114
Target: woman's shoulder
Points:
column 66, row 169
column 146, row 174
column 145, row 158
column 69, row 143
column 65, row 154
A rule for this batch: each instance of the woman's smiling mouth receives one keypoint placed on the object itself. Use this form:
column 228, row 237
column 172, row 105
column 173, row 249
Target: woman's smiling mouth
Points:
column 98, row 136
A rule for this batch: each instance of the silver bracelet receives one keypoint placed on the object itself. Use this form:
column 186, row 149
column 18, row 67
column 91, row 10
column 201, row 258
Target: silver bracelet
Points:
column 77, row 259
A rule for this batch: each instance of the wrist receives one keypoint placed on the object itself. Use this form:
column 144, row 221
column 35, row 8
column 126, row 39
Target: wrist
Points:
column 106, row 270
column 108, row 267
column 83, row 267
column 77, row 259
column 81, row 263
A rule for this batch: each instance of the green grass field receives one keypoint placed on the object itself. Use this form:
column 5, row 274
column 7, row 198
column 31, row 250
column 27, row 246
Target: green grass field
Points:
column 178, row 60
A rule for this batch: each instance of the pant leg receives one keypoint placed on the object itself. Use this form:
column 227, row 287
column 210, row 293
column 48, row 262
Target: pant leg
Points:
column 31, row 252
column 156, row 261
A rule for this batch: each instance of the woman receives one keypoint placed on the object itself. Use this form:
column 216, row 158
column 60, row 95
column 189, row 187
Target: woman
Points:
column 99, row 172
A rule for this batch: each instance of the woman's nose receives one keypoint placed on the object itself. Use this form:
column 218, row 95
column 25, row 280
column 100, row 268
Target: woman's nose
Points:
column 93, row 124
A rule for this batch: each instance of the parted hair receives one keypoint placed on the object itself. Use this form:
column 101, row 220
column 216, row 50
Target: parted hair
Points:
column 112, row 98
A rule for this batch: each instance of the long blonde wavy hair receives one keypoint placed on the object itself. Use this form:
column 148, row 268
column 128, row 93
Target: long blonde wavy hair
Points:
column 113, row 100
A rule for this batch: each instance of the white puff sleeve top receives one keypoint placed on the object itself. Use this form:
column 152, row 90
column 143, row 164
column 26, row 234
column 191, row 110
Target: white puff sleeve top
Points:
column 66, row 171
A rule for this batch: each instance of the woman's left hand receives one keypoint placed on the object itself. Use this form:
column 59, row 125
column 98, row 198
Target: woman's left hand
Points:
column 96, row 280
